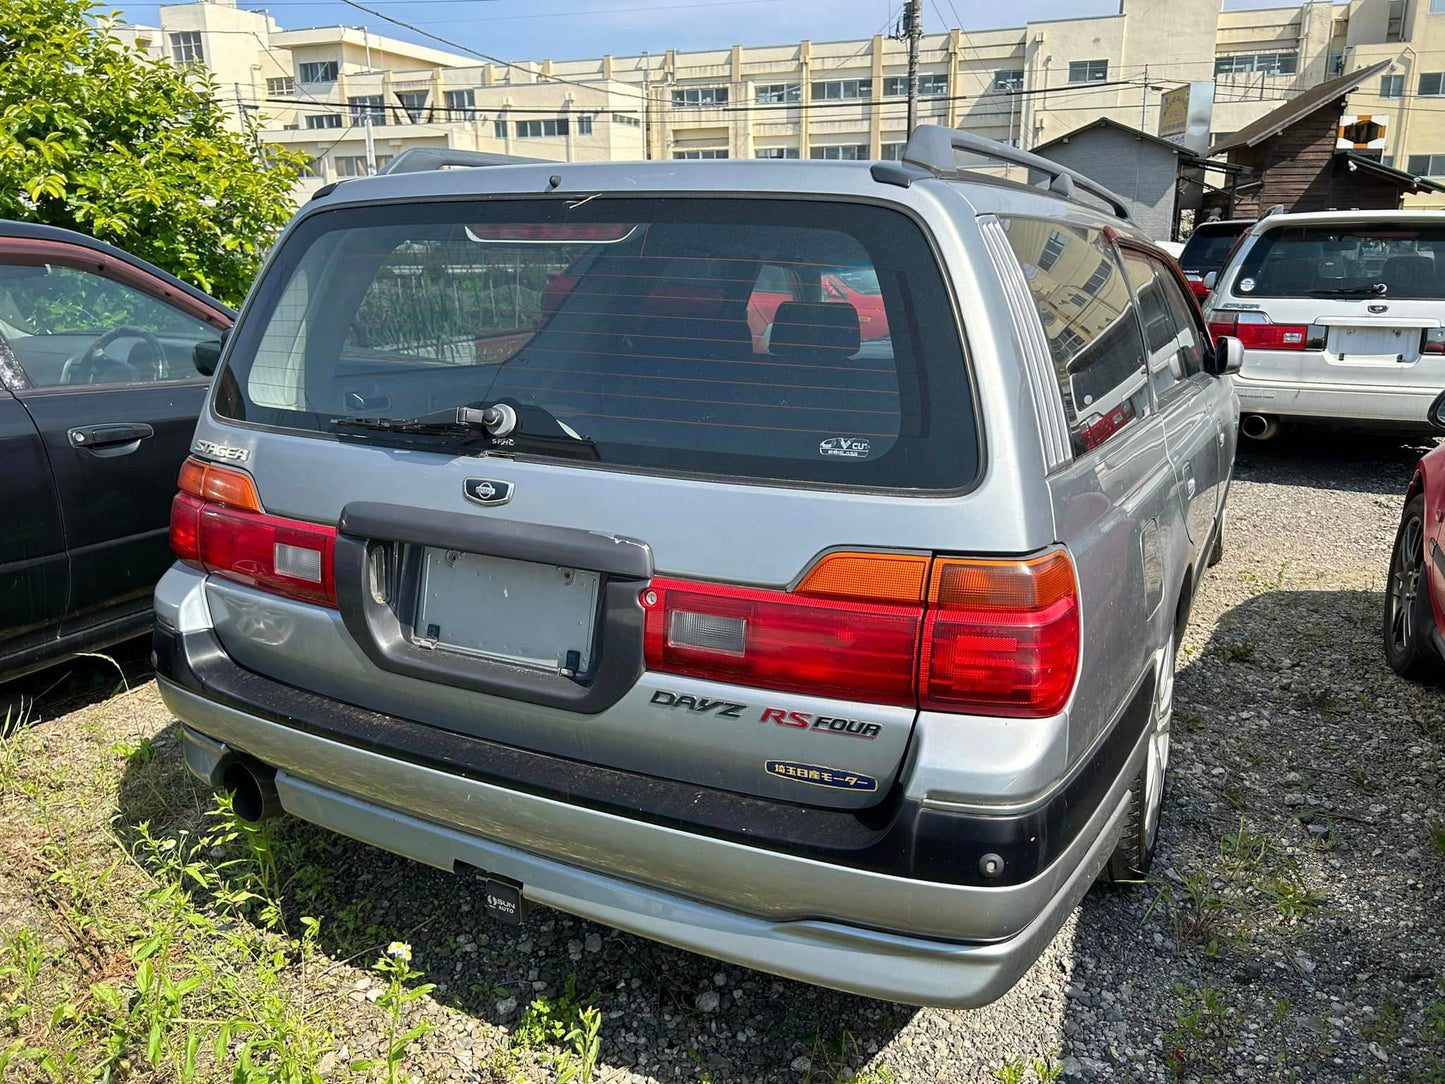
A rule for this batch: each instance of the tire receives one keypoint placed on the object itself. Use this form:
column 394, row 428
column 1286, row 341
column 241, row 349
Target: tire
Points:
column 1130, row 862
column 1409, row 618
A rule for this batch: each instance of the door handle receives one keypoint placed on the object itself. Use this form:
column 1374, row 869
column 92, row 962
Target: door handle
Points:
column 1189, row 486
column 116, row 438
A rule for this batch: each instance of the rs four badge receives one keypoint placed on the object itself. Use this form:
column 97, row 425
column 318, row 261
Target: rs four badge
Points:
column 818, row 776
column 487, row 490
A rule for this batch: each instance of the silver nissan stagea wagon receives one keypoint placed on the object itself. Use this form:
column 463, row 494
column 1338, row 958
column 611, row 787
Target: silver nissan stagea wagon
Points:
column 782, row 560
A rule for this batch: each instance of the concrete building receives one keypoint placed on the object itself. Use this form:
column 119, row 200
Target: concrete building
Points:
column 1141, row 168
column 1027, row 85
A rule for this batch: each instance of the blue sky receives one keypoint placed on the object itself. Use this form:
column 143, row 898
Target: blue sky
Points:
column 563, row 29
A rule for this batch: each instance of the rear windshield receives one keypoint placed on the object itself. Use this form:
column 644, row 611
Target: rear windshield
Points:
column 1398, row 260
column 790, row 340
column 1206, row 250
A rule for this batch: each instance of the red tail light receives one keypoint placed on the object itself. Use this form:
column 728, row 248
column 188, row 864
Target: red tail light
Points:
column 217, row 524
column 1201, row 291
column 1256, row 332
column 994, row 637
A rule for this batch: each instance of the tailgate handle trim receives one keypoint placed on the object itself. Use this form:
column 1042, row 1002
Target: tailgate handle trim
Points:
column 384, row 631
column 542, row 543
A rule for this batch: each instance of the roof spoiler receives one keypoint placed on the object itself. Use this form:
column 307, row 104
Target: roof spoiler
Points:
column 419, row 159
column 933, row 148
column 1277, row 209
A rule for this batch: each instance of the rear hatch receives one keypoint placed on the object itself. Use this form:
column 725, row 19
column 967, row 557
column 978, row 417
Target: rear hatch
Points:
column 1357, row 303
column 701, row 416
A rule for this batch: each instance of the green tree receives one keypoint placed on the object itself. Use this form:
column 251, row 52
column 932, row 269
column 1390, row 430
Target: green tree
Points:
column 97, row 137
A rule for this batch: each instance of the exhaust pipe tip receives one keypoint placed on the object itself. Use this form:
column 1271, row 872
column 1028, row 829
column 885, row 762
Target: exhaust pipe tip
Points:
column 252, row 786
column 1259, row 427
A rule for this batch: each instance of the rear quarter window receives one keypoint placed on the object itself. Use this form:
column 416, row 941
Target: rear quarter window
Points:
column 762, row 339
column 1088, row 317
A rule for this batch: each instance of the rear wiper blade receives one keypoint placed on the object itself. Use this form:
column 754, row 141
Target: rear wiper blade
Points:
column 1347, row 291
column 485, row 423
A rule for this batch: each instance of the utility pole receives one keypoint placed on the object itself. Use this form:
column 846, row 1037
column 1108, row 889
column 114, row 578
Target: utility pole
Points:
column 366, row 112
column 646, row 104
column 1144, row 102
column 913, row 33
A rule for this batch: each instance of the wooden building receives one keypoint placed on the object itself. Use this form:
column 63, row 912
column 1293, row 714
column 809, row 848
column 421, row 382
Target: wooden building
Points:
column 1297, row 156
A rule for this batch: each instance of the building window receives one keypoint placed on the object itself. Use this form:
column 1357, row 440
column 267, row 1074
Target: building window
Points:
column 700, row 154
column 628, row 119
column 323, row 120
column 892, row 152
column 461, row 104
column 1010, row 79
column 313, row 167
column 1437, row 7
column 1088, row 71
column 538, row 129
column 1268, row 63
column 698, row 97
column 776, row 152
column 413, row 103
column 778, row 93
column 929, row 86
column 368, row 105
column 1432, row 84
column 1052, row 250
column 1392, row 86
column 186, row 47
column 499, row 129
column 350, row 165
column 318, row 71
column 1096, row 281
column 849, row 152
column 1336, row 65
column 282, row 86
column 837, row 90
column 584, row 125
column 1426, row 165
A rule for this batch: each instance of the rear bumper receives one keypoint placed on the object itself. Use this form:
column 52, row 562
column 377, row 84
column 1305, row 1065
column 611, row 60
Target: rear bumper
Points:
column 1370, row 404
column 873, row 963
column 407, row 788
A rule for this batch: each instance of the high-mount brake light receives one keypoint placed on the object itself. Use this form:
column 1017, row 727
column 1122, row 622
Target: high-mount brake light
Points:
column 218, row 524
column 988, row 636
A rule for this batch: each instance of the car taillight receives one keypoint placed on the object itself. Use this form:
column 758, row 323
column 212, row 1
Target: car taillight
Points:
column 1255, row 331
column 217, row 524
column 1197, row 285
column 997, row 637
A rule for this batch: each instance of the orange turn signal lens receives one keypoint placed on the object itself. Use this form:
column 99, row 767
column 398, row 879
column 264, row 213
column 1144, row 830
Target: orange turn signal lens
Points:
column 1030, row 584
column 221, row 485
column 871, row 577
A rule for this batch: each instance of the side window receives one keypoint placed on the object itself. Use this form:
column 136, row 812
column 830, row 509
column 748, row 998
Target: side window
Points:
column 72, row 327
column 1088, row 317
column 1192, row 335
column 1170, row 333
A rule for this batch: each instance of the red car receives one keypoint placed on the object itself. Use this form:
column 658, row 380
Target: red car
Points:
column 858, row 286
column 1415, row 593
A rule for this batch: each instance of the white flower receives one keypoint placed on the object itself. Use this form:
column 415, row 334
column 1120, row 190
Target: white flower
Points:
column 168, row 844
column 399, row 950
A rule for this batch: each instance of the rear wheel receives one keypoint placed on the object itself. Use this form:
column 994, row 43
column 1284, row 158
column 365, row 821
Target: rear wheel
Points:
column 1133, row 856
column 1409, row 620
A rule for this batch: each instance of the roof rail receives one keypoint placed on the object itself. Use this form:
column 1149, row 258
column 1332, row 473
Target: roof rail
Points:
column 418, row 159
column 933, row 147
column 1277, row 209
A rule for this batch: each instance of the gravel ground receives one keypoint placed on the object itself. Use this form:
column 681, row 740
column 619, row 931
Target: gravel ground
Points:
column 1293, row 932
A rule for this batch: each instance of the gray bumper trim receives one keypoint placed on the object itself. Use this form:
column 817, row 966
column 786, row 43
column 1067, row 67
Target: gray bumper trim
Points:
column 873, row 963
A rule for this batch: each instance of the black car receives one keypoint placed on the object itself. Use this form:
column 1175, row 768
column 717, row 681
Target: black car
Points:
column 99, row 393
column 1207, row 250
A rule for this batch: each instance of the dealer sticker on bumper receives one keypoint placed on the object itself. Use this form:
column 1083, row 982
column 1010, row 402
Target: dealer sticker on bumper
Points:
column 818, row 776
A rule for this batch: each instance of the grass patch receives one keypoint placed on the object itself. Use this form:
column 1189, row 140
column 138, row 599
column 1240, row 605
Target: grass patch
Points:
column 1225, row 898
